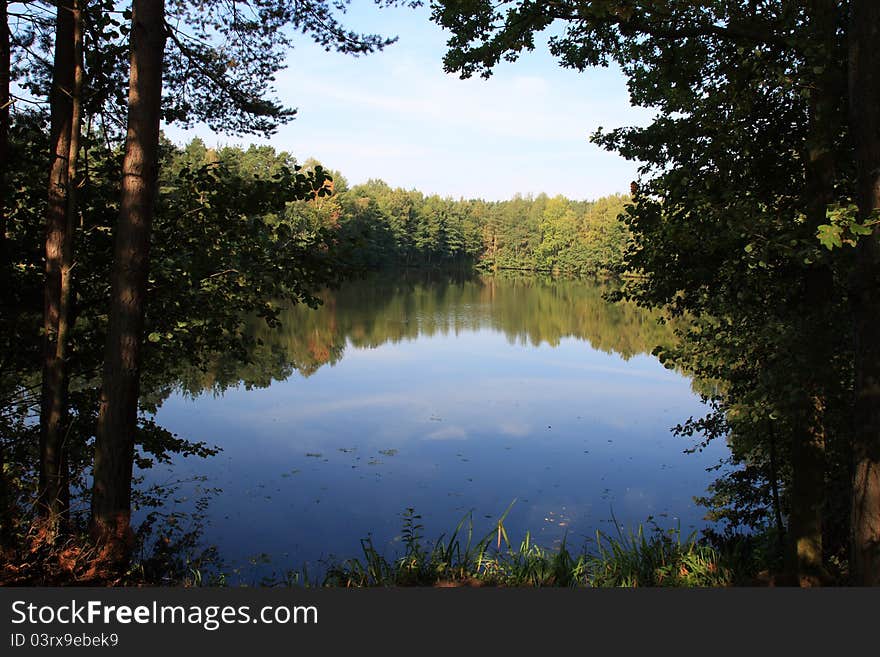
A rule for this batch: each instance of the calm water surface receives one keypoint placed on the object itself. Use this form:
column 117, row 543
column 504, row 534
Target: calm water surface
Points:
column 446, row 396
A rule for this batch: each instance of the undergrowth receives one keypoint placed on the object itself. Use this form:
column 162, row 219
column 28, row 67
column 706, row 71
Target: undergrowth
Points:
column 653, row 558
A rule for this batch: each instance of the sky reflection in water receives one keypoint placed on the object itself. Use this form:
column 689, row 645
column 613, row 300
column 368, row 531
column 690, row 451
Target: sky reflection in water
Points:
column 467, row 409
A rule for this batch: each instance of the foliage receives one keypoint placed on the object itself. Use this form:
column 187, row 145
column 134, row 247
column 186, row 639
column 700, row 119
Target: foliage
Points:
column 224, row 253
column 169, row 548
column 659, row 558
column 746, row 185
column 406, row 228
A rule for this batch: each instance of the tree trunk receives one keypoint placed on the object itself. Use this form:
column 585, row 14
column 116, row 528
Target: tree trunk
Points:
column 774, row 489
column 864, row 109
column 814, row 340
column 5, row 63
column 808, row 497
column 53, row 486
column 6, row 511
column 65, row 316
column 117, row 420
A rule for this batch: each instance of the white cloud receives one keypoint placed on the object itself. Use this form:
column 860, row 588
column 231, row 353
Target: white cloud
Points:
column 398, row 116
column 447, row 433
column 514, row 429
column 521, row 107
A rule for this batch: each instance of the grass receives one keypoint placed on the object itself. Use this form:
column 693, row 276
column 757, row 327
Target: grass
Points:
column 640, row 558
column 653, row 557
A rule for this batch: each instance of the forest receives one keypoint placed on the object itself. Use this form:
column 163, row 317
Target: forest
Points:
column 752, row 229
column 380, row 227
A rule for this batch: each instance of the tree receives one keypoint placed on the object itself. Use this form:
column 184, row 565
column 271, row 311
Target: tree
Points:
column 66, row 117
column 228, row 91
column 5, row 102
column 743, row 164
column 864, row 118
column 114, row 444
column 558, row 234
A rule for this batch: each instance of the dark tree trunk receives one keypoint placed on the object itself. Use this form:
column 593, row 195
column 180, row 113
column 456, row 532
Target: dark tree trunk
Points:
column 808, row 496
column 65, row 319
column 5, row 63
column 814, row 340
column 774, row 489
column 53, row 487
column 6, row 512
column 864, row 108
column 117, row 420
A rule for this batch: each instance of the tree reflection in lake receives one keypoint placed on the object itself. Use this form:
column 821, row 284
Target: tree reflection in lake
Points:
column 446, row 394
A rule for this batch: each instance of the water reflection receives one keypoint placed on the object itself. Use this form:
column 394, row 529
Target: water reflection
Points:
column 447, row 395
column 527, row 310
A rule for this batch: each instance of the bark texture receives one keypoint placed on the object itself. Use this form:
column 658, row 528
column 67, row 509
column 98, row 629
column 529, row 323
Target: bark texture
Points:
column 814, row 340
column 117, row 420
column 5, row 111
column 864, row 115
column 53, row 495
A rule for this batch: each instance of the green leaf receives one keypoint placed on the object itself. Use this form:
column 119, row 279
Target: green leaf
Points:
column 830, row 236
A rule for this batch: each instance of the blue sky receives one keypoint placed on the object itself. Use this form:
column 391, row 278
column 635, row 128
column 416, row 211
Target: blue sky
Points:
column 397, row 116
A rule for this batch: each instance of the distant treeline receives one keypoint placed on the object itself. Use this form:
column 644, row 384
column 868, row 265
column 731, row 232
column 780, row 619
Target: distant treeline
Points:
column 398, row 227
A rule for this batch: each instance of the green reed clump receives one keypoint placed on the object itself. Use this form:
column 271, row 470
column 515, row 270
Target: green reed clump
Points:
column 655, row 558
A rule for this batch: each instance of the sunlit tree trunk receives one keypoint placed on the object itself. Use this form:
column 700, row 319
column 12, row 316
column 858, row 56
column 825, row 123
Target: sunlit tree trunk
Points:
column 864, row 108
column 117, row 421
column 53, row 486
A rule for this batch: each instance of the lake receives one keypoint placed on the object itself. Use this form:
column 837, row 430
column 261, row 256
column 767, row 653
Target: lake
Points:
column 449, row 395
